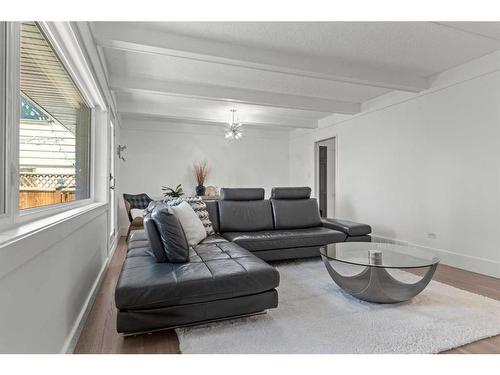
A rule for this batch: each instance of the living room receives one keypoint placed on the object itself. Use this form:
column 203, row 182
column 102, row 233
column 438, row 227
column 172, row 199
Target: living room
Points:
column 194, row 186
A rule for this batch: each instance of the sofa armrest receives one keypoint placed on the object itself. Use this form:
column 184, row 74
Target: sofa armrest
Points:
column 348, row 227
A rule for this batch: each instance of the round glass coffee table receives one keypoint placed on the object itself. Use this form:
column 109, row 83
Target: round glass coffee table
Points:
column 371, row 271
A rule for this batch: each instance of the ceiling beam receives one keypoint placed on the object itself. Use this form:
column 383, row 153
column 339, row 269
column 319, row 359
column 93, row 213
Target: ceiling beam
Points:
column 145, row 109
column 232, row 95
column 169, row 120
column 136, row 39
column 488, row 30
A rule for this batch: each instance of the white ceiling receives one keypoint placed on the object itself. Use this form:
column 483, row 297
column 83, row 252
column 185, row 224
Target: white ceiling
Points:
column 423, row 47
column 287, row 74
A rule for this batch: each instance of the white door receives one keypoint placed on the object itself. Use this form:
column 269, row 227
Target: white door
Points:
column 325, row 176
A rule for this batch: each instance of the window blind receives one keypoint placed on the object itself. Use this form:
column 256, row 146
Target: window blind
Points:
column 44, row 79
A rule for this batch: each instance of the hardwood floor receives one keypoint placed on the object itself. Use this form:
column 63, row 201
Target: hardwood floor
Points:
column 99, row 334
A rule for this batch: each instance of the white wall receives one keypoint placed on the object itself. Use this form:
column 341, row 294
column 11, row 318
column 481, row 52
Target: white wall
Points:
column 411, row 165
column 44, row 298
column 162, row 154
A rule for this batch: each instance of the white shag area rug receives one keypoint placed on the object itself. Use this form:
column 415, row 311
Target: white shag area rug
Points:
column 315, row 316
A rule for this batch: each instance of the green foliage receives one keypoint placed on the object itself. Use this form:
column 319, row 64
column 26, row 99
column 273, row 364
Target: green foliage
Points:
column 173, row 193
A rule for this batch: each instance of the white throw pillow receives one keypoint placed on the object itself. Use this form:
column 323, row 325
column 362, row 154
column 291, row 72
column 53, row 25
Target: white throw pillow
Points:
column 136, row 212
column 191, row 224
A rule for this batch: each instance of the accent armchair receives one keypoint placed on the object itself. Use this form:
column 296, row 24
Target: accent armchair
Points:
column 139, row 201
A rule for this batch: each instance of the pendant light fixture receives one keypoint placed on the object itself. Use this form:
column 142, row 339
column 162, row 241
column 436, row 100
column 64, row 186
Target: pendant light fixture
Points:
column 234, row 128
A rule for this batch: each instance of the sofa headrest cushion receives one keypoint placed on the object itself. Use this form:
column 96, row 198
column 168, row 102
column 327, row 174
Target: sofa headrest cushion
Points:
column 241, row 194
column 291, row 193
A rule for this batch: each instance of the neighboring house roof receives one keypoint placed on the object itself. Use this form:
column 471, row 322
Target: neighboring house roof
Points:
column 30, row 111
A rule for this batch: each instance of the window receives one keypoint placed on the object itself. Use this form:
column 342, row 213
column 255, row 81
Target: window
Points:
column 3, row 119
column 55, row 123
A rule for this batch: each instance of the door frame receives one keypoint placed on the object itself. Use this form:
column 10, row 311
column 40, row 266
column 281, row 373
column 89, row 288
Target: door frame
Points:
column 112, row 194
column 333, row 138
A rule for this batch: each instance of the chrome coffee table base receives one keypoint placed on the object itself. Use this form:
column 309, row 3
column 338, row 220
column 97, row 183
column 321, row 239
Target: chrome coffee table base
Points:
column 375, row 284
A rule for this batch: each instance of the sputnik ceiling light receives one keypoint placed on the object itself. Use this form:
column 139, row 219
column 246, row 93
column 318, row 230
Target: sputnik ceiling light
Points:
column 234, row 128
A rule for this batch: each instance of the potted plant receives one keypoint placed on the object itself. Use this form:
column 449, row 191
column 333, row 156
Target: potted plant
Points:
column 173, row 193
column 200, row 172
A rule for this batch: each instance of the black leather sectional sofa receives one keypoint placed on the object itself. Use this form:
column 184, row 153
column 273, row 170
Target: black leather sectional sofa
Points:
column 163, row 284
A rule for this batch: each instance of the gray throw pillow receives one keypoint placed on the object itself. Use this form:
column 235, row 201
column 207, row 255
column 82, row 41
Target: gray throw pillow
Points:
column 154, row 238
column 199, row 207
column 171, row 233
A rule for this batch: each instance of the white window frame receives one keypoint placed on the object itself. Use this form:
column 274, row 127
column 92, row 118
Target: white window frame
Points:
column 3, row 96
column 65, row 43
column 11, row 125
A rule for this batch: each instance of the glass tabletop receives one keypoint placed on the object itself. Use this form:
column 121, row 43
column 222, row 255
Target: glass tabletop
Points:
column 378, row 254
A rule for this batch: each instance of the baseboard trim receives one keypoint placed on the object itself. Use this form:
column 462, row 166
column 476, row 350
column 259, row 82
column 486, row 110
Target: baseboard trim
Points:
column 376, row 238
column 70, row 344
column 466, row 262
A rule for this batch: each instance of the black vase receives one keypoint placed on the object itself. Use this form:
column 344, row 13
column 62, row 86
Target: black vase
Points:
column 200, row 190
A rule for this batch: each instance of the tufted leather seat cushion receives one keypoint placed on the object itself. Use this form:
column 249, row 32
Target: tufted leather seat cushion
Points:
column 285, row 239
column 213, row 239
column 139, row 252
column 215, row 271
column 138, row 235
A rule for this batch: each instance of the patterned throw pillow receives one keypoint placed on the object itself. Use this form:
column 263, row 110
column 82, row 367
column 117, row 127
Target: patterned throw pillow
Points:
column 199, row 207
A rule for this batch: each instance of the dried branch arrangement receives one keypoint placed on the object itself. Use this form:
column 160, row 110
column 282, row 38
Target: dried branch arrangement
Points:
column 201, row 172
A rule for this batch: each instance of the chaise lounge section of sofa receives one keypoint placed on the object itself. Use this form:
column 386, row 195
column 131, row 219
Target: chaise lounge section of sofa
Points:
column 220, row 280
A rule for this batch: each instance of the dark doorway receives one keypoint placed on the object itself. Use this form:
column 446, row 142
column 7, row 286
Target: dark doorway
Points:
column 323, row 182
column 325, row 176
